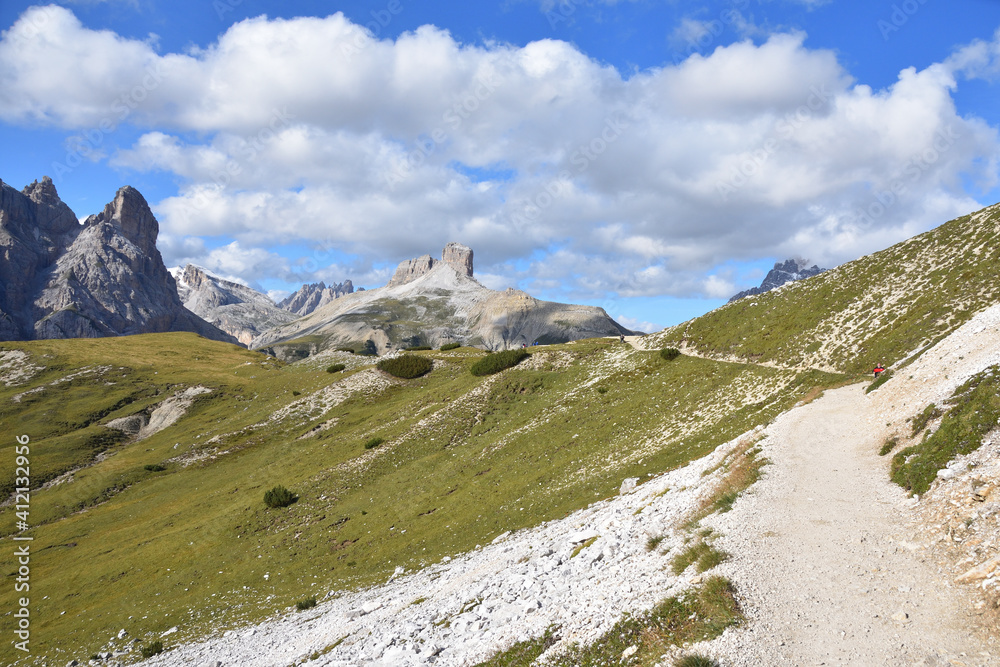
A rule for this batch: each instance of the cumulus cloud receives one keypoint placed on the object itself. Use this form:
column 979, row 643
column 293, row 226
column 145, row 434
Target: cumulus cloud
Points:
column 560, row 171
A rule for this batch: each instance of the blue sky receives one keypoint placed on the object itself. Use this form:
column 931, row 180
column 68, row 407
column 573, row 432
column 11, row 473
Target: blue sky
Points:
column 650, row 157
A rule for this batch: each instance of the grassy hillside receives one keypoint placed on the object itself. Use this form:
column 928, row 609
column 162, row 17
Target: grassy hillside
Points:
column 880, row 308
column 461, row 460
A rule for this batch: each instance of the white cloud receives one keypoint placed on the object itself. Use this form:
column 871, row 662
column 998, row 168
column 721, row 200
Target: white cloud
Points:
column 310, row 131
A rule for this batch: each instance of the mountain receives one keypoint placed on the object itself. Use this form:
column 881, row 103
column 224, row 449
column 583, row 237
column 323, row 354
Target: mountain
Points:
column 451, row 517
column 240, row 311
column 783, row 272
column 432, row 302
column 314, row 295
column 886, row 307
column 104, row 277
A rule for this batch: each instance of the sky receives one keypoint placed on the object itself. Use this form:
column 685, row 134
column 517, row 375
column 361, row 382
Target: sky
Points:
column 651, row 157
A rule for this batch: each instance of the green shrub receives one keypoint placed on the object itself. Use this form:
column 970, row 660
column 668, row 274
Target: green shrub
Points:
column 975, row 412
column 888, row 446
column 670, row 353
column 695, row 660
column 498, row 361
column 151, row 649
column 920, row 421
column 335, row 368
column 279, row 496
column 602, row 390
column 653, row 541
column 418, row 348
column 308, row 603
column 408, row 366
column 349, row 350
column 296, row 393
column 450, row 346
column 372, row 443
column 153, row 467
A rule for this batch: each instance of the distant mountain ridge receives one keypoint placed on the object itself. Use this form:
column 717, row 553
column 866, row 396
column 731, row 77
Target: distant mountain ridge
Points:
column 314, row 295
column 783, row 272
column 241, row 311
column 431, row 302
column 104, row 277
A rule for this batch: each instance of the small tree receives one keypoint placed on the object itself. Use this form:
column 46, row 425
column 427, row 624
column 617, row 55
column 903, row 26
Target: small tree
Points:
column 670, row 353
column 279, row 496
column 335, row 368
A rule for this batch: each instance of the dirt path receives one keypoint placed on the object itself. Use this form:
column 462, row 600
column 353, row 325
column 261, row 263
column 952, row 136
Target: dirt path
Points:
column 822, row 557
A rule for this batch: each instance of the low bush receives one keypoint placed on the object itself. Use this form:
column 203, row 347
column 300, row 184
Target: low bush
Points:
column 696, row 660
column 920, row 422
column 372, row 443
column 450, row 346
column 279, row 496
column 888, row 446
column 335, row 368
column 369, row 349
column 151, row 649
column 408, row 366
column 418, row 348
column 154, row 467
column 498, row 361
column 308, row 603
column 670, row 353
column 975, row 412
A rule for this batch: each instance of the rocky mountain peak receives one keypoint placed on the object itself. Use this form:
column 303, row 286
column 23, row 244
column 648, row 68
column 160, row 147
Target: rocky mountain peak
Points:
column 314, row 295
column 130, row 214
column 459, row 256
column 783, row 272
column 51, row 214
column 456, row 255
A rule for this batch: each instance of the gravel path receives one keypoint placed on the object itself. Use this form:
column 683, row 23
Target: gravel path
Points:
column 822, row 557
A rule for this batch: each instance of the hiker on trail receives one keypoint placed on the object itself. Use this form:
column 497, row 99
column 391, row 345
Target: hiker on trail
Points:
column 621, row 337
column 879, row 369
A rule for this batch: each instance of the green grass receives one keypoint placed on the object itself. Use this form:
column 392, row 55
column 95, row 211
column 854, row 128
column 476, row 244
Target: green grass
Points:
column 460, row 463
column 974, row 411
column 920, row 422
column 879, row 308
column 696, row 660
column 523, row 654
column 703, row 614
column 888, row 446
column 702, row 554
column 883, row 377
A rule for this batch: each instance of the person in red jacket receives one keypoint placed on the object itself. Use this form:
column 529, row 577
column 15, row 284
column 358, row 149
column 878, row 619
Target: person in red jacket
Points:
column 879, row 369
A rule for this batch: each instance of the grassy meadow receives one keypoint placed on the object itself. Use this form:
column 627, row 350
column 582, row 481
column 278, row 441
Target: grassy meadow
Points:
column 120, row 544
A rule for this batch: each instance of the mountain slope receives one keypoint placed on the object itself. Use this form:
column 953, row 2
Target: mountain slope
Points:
column 431, row 302
column 102, row 278
column 884, row 307
column 240, row 311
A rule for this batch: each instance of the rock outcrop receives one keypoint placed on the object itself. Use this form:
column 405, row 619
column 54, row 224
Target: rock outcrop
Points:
column 105, row 277
column 314, row 295
column 783, row 272
column 240, row 311
column 431, row 302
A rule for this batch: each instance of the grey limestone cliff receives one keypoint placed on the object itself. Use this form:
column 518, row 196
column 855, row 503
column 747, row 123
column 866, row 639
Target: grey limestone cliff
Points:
column 104, row 277
column 314, row 295
column 240, row 311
